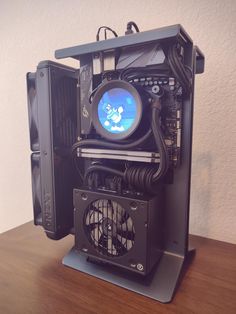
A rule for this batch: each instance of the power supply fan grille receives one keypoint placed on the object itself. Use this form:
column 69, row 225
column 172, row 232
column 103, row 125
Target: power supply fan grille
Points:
column 109, row 228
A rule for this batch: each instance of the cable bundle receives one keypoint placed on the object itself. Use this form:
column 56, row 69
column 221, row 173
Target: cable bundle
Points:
column 141, row 178
column 179, row 69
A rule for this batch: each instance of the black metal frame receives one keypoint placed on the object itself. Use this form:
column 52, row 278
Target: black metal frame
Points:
column 162, row 282
column 52, row 172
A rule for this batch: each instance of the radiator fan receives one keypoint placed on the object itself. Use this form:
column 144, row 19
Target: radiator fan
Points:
column 109, row 228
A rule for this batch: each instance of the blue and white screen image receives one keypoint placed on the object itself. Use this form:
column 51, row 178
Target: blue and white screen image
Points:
column 117, row 110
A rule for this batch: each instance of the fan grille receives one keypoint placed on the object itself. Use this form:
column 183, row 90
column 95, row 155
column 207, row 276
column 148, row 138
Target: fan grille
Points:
column 109, row 228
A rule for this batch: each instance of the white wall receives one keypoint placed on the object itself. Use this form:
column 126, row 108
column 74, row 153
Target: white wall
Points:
column 30, row 31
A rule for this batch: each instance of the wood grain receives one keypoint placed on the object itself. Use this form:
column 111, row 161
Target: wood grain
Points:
column 33, row 280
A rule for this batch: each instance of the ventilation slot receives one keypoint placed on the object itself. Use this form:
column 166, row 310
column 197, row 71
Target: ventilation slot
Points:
column 64, row 112
column 36, row 188
column 33, row 112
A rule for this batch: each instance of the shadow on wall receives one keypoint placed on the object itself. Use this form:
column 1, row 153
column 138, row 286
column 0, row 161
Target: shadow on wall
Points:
column 201, row 193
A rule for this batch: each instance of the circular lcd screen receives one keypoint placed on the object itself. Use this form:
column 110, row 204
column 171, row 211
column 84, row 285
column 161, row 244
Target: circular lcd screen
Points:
column 117, row 110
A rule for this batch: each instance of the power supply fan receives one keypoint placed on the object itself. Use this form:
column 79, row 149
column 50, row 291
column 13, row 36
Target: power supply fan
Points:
column 109, row 228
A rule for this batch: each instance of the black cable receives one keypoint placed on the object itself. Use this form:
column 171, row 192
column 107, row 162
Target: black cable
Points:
column 102, row 143
column 179, row 69
column 75, row 164
column 160, row 142
column 93, row 92
column 144, row 177
column 106, row 28
column 129, row 28
column 140, row 178
column 103, row 168
column 175, row 68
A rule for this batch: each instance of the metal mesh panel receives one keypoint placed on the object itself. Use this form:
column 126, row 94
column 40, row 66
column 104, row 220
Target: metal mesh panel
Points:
column 64, row 111
column 109, row 227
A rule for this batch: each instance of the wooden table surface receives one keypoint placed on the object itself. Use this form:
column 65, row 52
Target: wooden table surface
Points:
column 33, row 280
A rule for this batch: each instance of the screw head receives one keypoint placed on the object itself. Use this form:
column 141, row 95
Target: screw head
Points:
column 133, row 205
column 155, row 89
column 140, row 267
column 84, row 196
